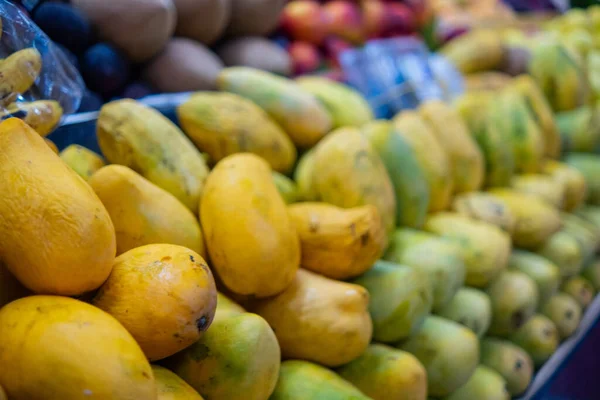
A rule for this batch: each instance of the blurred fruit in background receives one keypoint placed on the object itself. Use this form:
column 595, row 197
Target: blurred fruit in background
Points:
column 305, row 57
column 333, row 47
column 374, row 17
column 305, row 20
column 105, row 69
column 345, row 20
column 65, row 25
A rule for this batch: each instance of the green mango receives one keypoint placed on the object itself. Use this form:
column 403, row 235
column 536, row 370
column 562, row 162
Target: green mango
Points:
column 471, row 308
column 580, row 289
column 564, row 311
column 586, row 234
column 544, row 273
column 303, row 176
column 485, row 383
column 286, row 187
column 592, row 273
column 590, row 214
column 510, row 361
column 589, row 166
column 538, row 337
column 564, row 250
column 579, row 129
column 448, row 351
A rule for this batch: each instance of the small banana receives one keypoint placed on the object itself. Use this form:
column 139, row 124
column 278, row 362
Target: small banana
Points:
column 18, row 72
column 42, row 115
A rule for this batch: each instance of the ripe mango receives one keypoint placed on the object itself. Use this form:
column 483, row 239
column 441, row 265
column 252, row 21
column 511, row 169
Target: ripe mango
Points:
column 485, row 383
column 538, row 337
column 239, row 200
column 69, row 349
column 510, row 361
column 57, row 237
column 172, row 387
column 238, row 358
column 18, row 72
column 563, row 249
column 485, row 207
column 580, row 289
column 400, row 299
column 544, row 273
column 571, row 179
column 83, row 161
column 564, row 311
column 541, row 186
column 42, row 115
column 471, row 308
column 52, row 145
column 319, row 319
column 286, row 187
column 385, row 373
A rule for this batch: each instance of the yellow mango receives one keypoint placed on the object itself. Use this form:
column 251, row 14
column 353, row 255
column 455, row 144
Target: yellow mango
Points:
column 319, row 319
column 52, row 145
column 476, row 51
column 485, row 207
column 143, row 213
column 141, row 138
column 172, row 387
column 238, row 358
column 487, row 81
column 83, row 161
column 250, row 237
column 335, row 242
column 41, row 115
column 541, row 186
column 222, row 124
column 572, row 180
column 18, row 72
column 60, row 348
column 57, row 237
column 385, row 373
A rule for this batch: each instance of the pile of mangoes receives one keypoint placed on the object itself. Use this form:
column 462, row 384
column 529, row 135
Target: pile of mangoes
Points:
column 282, row 244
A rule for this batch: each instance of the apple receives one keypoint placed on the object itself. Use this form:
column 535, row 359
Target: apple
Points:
column 373, row 18
column 305, row 57
column 305, row 20
column 345, row 20
column 400, row 20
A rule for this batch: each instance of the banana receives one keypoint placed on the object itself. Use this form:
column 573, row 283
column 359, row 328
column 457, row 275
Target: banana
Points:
column 18, row 72
column 42, row 115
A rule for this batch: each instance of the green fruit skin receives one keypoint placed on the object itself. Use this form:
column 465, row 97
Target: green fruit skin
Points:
column 565, row 251
column 510, row 361
column 585, row 233
column 544, row 273
column 286, row 187
column 589, row 166
column 580, row 289
column 448, row 351
column 538, row 337
column 301, row 380
column 471, row 308
column 590, row 214
column 579, row 129
column 565, row 312
column 485, row 383
column 303, row 176
column 401, row 298
column 592, row 273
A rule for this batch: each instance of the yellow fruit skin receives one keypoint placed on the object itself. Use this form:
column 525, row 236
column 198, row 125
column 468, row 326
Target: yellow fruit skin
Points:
column 42, row 115
column 57, row 237
column 541, row 186
column 141, row 138
column 222, row 124
column 485, row 207
column 572, row 180
column 18, row 72
column 338, row 243
column 385, row 373
column 172, row 387
column 319, row 319
column 298, row 112
column 488, row 80
column 62, row 348
column 169, row 285
column 476, row 51
column 250, row 237
column 466, row 160
column 143, row 213
column 83, row 161
column 238, row 358
column 431, row 155
column 52, row 146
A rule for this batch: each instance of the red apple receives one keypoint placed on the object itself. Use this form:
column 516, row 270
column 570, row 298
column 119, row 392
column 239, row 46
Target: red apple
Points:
column 305, row 57
column 305, row 20
column 345, row 20
column 373, row 18
column 333, row 47
column 400, row 20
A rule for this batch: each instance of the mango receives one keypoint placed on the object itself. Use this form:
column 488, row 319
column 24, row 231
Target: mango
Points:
column 42, row 115
column 143, row 213
column 592, row 273
column 471, row 308
column 515, row 298
column 485, row 383
column 338, row 243
column 564, row 311
column 238, row 358
column 319, row 319
column 300, row 380
column 486, row 81
column 295, row 109
column 544, row 273
column 538, row 337
column 239, row 200
column 580, row 289
column 589, row 166
column 591, row 214
column 486, row 248
column 585, row 232
column 571, row 179
column 476, row 51
column 448, row 351
column 542, row 187
column 400, row 299
column 485, row 207
column 172, row 387
column 222, row 124
column 57, row 237
column 226, row 307
column 579, row 129
column 69, row 349
column 18, row 72
column 510, row 361
column 286, row 187
column 83, row 161
column 563, row 249
column 303, row 176
column 385, row 373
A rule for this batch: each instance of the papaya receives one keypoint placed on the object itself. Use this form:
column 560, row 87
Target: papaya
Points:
column 406, row 174
column 591, row 272
column 585, row 232
column 477, row 51
column 486, row 248
column 536, row 220
column 140, row 288
column 300, row 380
column 286, row 187
column 485, row 383
column 543, row 272
column 400, row 299
column 564, row 311
column 57, row 237
column 471, row 308
column 571, row 179
column 589, row 166
column 515, row 298
column 347, row 172
column 303, row 176
column 319, row 319
column 172, row 387
column 141, row 138
column 83, row 161
column 510, row 361
column 431, row 156
column 541, row 186
column 222, row 124
column 240, row 199
column 143, row 213
column 538, row 337
column 42, row 115
column 346, row 106
column 580, row 289
column 10, row 288
column 448, row 351
column 486, row 208
column 69, row 349
column 385, row 373
column 486, row 81
column 237, row 358
column 295, row 109
column 466, row 160
column 564, row 250
column 226, row 307
column 580, row 129
column 338, row 243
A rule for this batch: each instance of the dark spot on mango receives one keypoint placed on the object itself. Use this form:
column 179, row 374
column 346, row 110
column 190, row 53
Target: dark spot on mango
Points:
column 352, row 228
column 199, row 352
column 165, row 259
column 364, row 239
column 547, row 332
column 145, row 375
column 202, row 323
column 313, row 226
column 518, row 319
column 192, row 259
column 569, row 314
column 518, row 365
